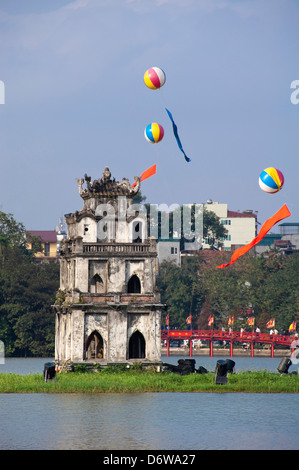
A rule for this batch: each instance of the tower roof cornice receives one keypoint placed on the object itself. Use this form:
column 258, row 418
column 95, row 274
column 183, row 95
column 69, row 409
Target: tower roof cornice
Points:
column 106, row 187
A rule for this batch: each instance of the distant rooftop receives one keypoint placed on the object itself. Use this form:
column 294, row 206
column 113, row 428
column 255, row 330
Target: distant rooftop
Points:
column 269, row 239
column 289, row 224
column 289, row 228
column 45, row 235
column 240, row 214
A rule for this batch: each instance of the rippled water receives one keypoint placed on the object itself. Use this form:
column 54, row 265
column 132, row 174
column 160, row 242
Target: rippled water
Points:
column 149, row 421
column 179, row 421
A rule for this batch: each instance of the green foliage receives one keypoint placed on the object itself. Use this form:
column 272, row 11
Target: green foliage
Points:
column 36, row 243
column 12, row 233
column 131, row 381
column 80, row 368
column 213, row 230
column 266, row 285
column 253, row 286
column 27, row 291
column 181, row 290
column 60, row 297
column 139, row 198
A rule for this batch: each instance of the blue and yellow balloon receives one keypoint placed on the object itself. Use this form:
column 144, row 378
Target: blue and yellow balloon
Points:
column 271, row 180
column 154, row 133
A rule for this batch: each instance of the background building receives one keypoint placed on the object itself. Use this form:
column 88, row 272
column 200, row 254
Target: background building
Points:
column 169, row 250
column 241, row 226
column 48, row 242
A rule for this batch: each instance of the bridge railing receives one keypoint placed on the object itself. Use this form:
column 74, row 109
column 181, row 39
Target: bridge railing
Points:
column 219, row 335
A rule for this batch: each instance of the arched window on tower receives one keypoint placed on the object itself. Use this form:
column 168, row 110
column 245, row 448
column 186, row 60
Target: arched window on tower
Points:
column 96, row 285
column 94, row 346
column 134, row 286
column 137, row 346
column 137, row 232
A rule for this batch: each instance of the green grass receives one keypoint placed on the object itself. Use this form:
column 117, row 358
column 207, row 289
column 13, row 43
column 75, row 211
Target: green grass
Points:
column 119, row 381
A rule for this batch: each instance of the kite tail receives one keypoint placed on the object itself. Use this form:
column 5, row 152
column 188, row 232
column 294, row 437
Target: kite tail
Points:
column 175, row 132
column 147, row 174
column 277, row 217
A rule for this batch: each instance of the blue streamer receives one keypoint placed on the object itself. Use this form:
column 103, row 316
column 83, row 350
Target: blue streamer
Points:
column 175, row 131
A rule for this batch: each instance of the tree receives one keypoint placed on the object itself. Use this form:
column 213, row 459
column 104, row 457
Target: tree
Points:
column 36, row 243
column 12, row 233
column 262, row 287
column 27, row 291
column 254, row 286
column 181, row 290
column 213, row 230
column 278, row 291
column 206, row 311
column 139, row 198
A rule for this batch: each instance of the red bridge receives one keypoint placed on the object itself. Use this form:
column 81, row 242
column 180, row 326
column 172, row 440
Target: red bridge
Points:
column 232, row 337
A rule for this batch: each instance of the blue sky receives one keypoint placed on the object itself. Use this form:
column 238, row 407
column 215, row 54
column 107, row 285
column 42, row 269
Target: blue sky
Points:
column 75, row 101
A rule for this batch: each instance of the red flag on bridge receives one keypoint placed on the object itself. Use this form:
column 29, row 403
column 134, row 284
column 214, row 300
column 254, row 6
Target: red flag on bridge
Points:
column 211, row 320
column 231, row 320
column 189, row 319
column 271, row 323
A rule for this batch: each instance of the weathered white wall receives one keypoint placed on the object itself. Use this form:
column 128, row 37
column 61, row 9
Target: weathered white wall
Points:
column 115, row 327
column 84, row 310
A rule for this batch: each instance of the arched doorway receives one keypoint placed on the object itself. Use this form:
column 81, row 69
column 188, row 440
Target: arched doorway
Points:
column 134, row 286
column 137, row 346
column 94, row 346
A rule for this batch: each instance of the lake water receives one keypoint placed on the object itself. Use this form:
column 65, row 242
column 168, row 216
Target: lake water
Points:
column 149, row 421
column 26, row 366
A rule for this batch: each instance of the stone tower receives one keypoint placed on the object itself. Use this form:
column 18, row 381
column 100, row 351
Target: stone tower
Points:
column 107, row 307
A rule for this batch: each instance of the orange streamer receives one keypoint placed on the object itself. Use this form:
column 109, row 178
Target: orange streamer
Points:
column 146, row 174
column 281, row 214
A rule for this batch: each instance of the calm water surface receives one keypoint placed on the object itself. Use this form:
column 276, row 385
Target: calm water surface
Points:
column 151, row 421
column 25, row 366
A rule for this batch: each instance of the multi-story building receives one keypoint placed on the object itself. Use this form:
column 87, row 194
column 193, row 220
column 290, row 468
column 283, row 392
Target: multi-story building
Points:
column 169, row 250
column 240, row 226
column 241, row 229
column 289, row 236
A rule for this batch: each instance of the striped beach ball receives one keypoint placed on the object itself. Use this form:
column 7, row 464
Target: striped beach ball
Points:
column 154, row 132
column 271, row 180
column 154, row 78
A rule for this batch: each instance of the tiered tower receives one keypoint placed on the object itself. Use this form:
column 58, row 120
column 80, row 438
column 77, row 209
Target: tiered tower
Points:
column 107, row 307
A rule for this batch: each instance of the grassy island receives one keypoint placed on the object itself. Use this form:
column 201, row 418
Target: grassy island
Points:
column 114, row 380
